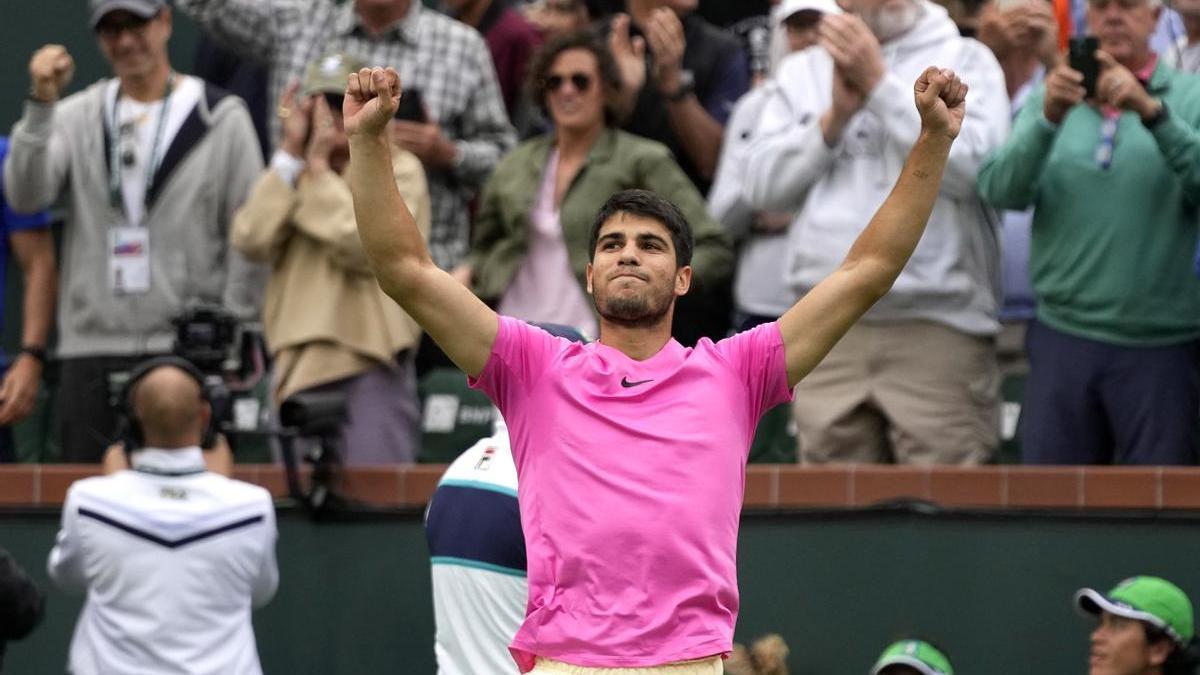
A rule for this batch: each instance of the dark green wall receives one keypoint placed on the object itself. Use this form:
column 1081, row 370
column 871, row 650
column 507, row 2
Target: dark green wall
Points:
column 993, row 590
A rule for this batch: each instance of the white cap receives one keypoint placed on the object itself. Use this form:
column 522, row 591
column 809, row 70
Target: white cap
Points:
column 789, row 7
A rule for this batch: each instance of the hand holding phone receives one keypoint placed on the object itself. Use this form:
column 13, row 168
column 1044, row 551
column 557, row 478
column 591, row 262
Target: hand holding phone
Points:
column 1081, row 56
column 1064, row 90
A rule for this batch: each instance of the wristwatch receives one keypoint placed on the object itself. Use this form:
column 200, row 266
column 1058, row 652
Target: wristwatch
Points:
column 1158, row 117
column 38, row 353
column 687, row 86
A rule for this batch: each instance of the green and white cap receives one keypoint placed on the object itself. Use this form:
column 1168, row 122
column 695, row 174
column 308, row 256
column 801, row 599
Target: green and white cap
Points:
column 1156, row 601
column 915, row 654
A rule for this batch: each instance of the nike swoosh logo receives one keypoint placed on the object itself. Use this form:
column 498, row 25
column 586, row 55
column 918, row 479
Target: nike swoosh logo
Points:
column 626, row 383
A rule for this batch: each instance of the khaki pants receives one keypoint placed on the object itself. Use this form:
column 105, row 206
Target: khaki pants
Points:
column 709, row 666
column 910, row 392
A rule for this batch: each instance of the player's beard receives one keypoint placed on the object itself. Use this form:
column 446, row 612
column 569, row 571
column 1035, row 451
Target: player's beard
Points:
column 888, row 23
column 638, row 311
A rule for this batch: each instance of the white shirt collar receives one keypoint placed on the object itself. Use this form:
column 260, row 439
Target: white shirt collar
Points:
column 173, row 462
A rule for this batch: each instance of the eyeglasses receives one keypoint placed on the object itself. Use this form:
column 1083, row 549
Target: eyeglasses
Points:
column 111, row 29
column 581, row 81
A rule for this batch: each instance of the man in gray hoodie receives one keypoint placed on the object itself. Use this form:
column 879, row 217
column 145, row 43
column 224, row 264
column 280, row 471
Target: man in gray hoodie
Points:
column 151, row 164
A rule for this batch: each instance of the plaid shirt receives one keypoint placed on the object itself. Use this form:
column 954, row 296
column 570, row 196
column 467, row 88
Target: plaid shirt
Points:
column 447, row 60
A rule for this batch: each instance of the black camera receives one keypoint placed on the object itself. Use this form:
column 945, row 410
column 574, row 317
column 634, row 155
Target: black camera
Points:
column 318, row 414
column 230, row 358
column 210, row 337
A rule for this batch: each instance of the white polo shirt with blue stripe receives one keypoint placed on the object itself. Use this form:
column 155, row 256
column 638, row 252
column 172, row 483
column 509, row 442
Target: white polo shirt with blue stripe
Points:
column 473, row 526
column 173, row 558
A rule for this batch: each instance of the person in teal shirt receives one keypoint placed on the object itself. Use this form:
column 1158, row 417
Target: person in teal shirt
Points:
column 1114, row 180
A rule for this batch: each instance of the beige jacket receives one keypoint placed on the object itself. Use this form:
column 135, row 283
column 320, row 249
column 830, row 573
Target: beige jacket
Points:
column 325, row 317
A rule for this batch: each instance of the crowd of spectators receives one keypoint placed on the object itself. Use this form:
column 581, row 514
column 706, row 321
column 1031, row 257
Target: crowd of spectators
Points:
column 1068, row 214
column 1068, row 211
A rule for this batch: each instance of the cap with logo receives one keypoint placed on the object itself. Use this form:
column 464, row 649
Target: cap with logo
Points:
column 144, row 8
column 1156, row 601
column 916, row 654
column 327, row 74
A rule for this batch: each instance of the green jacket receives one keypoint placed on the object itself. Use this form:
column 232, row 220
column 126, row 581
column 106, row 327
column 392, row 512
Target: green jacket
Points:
column 616, row 162
column 1113, row 249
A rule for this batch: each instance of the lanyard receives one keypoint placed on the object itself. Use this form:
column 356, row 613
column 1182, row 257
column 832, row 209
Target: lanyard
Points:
column 114, row 135
column 1108, row 137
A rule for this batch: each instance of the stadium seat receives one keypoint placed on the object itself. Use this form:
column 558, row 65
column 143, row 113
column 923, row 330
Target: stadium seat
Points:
column 453, row 416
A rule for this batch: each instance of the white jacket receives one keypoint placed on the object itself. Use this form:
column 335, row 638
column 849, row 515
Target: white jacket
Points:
column 759, row 284
column 172, row 558
column 953, row 276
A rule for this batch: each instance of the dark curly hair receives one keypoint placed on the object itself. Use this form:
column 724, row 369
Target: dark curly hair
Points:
column 646, row 204
column 610, row 74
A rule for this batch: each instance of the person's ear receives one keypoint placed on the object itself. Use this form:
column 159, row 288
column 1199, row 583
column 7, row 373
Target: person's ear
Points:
column 589, row 278
column 1159, row 650
column 683, row 280
column 168, row 20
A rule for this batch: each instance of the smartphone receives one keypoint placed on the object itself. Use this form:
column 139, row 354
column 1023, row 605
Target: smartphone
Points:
column 412, row 106
column 1081, row 55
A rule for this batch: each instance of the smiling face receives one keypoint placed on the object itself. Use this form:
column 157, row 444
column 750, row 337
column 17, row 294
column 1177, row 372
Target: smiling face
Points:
column 574, row 93
column 634, row 276
column 135, row 47
column 1120, row 647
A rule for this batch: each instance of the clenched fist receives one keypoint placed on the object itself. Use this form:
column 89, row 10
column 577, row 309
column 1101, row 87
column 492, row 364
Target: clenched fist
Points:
column 942, row 101
column 372, row 97
column 50, row 71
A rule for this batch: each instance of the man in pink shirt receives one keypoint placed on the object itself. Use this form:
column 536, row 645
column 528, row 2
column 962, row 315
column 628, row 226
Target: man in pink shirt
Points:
column 631, row 450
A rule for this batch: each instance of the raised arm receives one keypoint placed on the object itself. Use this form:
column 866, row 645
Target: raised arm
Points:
column 460, row 323
column 35, row 169
column 814, row 324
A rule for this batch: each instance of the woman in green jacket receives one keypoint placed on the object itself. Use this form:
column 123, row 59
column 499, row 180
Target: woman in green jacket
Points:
column 529, row 250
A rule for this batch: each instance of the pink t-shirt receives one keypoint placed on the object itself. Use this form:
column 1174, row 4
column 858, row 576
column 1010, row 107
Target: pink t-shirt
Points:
column 630, row 476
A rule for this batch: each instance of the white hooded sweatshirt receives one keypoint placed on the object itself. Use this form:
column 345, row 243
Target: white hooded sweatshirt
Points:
column 954, row 274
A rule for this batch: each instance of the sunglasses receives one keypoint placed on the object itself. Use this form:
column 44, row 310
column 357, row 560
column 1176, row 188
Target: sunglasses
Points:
column 581, row 81
column 112, row 28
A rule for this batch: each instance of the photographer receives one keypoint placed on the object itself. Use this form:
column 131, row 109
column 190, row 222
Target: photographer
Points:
column 151, row 164
column 1107, row 153
column 328, row 325
column 172, row 556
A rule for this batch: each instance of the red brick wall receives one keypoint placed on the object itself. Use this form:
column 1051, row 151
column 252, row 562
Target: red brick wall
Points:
column 767, row 486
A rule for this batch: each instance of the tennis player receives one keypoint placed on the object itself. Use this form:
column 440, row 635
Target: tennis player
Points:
column 631, row 450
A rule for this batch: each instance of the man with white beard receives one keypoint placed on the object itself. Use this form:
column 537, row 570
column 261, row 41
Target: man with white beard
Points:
column 916, row 380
